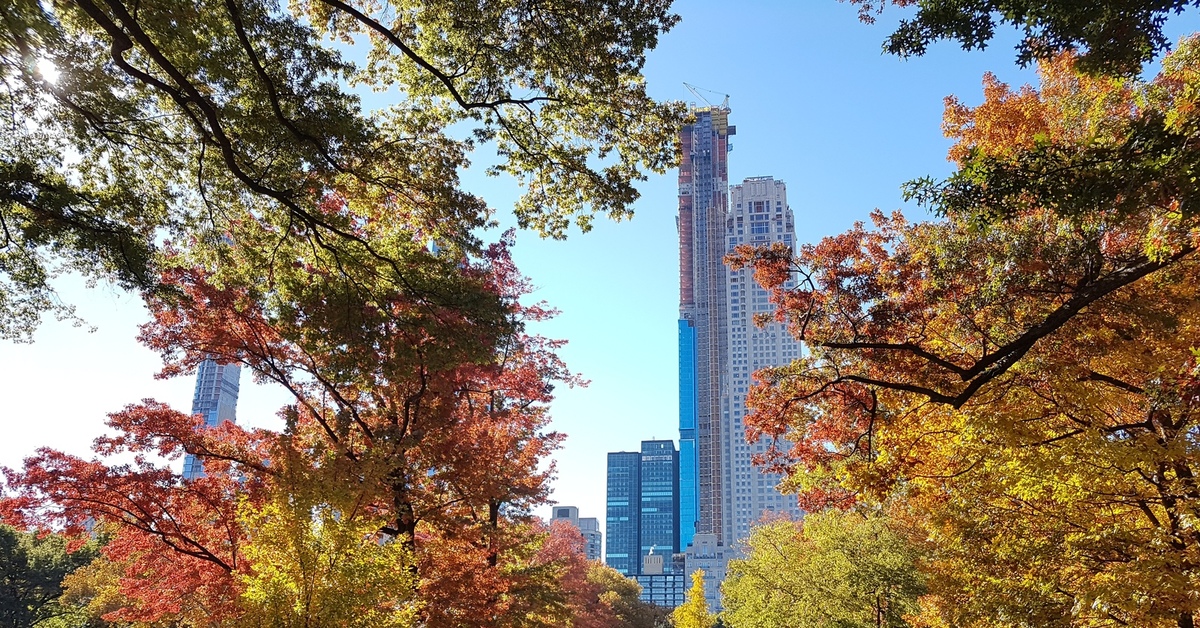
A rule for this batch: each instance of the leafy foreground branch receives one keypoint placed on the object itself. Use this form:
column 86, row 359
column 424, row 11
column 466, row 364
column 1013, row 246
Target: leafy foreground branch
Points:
column 124, row 123
column 1116, row 37
column 1020, row 378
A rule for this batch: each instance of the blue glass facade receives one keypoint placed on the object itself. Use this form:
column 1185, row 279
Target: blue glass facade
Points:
column 663, row 590
column 658, row 526
column 643, row 506
column 622, row 511
column 215, row 399
column 689, row 502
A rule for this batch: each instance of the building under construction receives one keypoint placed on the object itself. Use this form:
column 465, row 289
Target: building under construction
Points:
column 703, row 205
column 721, row 493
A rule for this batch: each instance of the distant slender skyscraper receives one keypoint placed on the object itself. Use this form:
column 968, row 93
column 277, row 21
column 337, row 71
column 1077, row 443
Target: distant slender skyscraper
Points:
column 216, row 399
column 758, row 214
column 703, row 186
column 719, row 345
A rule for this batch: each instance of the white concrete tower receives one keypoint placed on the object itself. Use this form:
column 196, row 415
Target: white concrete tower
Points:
column 758, row 214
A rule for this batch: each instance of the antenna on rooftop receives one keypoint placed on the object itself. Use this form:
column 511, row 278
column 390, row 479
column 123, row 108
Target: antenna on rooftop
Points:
column 695, row 90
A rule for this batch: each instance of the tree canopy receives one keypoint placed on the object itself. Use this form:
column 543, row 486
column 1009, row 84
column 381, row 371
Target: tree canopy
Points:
column 1020, row 375
column 1114, row 36
column 32, row 568
column 127, row 123
column 216, row 157
column 413, row 453
column 694, row 613
column 832, row 569
column 622, row 596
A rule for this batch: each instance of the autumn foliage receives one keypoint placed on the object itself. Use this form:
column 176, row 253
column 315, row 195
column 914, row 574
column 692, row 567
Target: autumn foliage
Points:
column 400, row 489
column 1019, row 378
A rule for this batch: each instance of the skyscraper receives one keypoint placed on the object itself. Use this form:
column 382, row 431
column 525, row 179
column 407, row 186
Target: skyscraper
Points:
column 758, row 214
column 216, row 400
column 621, row 517
column 719, row 345
column 703, row 186
column 643, row 506
column 658, row 516
column 589, row 527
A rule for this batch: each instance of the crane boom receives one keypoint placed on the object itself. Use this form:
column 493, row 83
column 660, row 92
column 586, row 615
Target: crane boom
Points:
column 695, row 90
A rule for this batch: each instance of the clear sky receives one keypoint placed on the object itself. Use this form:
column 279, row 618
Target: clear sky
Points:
column 816, row 105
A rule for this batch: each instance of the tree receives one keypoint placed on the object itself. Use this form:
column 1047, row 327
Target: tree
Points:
column 693, row 613
column 418, row 419
column 622, row 596
column 119, row 131
column 1118, row 36
column 312, row 565
column 832, row 569
column 32, row 569
column 1020, row 374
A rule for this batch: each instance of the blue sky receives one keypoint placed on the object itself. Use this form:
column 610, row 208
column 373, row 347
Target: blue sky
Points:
column 816, row 105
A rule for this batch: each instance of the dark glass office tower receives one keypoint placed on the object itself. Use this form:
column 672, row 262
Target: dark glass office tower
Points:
column 658, row 528
column 624, row 496
column 643, row 506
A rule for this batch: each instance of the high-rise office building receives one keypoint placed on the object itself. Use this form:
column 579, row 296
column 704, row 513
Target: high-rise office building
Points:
column 643, row 520
column 758, row 215
column 643, row 506
column 216, row 400
column 621, row 516
column 703, row 186
column 658, row 517
column 589, row 527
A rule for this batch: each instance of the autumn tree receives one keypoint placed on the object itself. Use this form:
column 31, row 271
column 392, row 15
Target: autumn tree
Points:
column 694, row 613
column 330, row 250
column 831, row 569
column 1021, row 373
column 422, row 419
column 314, row 565
column 622, row 595
column 122, row 127
column 1114, row 37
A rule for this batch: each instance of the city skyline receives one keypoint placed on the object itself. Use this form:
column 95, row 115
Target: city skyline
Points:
column 969, row 368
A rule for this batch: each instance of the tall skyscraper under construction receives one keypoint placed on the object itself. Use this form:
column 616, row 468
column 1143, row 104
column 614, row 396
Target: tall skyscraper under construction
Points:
column 216, row 400
column 719, row 345
column 703, row 202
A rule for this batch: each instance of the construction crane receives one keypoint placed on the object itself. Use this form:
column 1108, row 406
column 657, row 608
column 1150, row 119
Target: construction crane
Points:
column 696, row 92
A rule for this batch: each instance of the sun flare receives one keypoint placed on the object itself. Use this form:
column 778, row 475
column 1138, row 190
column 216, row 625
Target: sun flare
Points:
column 47, row 70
